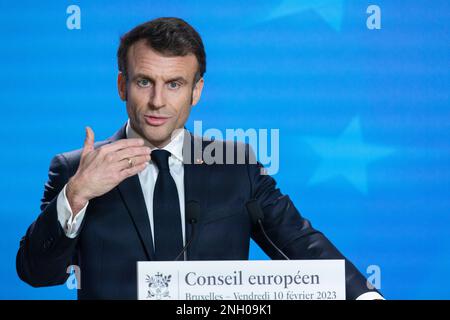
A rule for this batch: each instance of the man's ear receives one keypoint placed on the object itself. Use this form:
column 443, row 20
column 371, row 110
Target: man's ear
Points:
column 122, row 86
column 197, row 92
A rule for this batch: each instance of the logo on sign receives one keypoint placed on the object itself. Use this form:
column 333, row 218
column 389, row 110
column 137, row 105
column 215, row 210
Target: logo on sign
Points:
column 158, row 286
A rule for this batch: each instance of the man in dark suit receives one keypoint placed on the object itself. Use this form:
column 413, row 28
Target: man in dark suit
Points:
column 123, row 200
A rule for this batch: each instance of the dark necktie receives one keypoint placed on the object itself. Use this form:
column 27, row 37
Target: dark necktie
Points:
column 166, row 210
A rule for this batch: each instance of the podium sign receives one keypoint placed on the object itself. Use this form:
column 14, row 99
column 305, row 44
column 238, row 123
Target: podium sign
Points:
column 242, row 280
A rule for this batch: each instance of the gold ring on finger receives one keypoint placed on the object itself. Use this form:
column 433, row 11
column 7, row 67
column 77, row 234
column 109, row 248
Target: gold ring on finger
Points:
column 130, row 163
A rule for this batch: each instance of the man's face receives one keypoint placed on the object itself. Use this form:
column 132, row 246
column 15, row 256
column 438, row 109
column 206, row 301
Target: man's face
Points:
column 159, row 92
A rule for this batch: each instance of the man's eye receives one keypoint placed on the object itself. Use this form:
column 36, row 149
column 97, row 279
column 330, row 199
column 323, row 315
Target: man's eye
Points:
column 143, row 83
column 174, row 85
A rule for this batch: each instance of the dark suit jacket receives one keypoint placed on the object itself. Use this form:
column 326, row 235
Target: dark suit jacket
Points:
column 116, row 232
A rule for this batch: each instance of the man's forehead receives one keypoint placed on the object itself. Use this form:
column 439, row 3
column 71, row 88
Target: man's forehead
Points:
column 143, row 59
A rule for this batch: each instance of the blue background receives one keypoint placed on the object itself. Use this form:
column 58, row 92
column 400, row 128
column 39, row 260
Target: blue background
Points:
column 363, row 115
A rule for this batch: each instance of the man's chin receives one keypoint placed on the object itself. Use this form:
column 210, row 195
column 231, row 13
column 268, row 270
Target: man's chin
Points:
column 158, row 139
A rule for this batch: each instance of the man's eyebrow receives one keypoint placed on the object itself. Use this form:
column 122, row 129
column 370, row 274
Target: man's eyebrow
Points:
column 180, row 79
column 144, row 76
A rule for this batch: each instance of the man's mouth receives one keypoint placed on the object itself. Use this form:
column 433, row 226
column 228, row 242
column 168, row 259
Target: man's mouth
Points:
column 156, row 120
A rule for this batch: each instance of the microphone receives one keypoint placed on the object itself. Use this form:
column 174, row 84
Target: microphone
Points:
column 257, row 217
column 192, row 217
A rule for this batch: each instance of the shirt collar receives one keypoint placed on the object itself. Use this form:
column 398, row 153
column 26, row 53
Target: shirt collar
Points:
column 175, row 146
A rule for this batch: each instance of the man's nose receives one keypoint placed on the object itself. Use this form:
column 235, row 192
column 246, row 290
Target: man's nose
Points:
column 157, row 99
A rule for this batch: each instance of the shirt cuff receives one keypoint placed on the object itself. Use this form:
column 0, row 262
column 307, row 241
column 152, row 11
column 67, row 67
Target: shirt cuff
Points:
column 69, row 224
column 370, row 296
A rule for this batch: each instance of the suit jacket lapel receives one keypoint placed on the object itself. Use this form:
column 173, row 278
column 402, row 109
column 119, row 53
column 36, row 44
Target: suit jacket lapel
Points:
column 131, row 192
column 132, row 195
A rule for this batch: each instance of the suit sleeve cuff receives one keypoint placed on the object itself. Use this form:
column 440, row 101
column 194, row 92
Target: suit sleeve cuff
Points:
column 370, row 296
column 69, row 224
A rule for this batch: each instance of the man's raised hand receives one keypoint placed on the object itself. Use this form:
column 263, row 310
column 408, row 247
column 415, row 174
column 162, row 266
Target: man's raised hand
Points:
column 102, row 169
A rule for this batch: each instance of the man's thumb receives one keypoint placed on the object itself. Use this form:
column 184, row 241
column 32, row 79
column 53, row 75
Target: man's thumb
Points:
column 88, row 141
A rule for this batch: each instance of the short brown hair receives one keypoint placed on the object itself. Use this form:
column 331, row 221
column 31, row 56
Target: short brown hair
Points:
column 168, row 36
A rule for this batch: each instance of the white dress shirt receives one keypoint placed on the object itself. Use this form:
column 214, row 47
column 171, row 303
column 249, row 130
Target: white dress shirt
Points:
column 147, row 178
